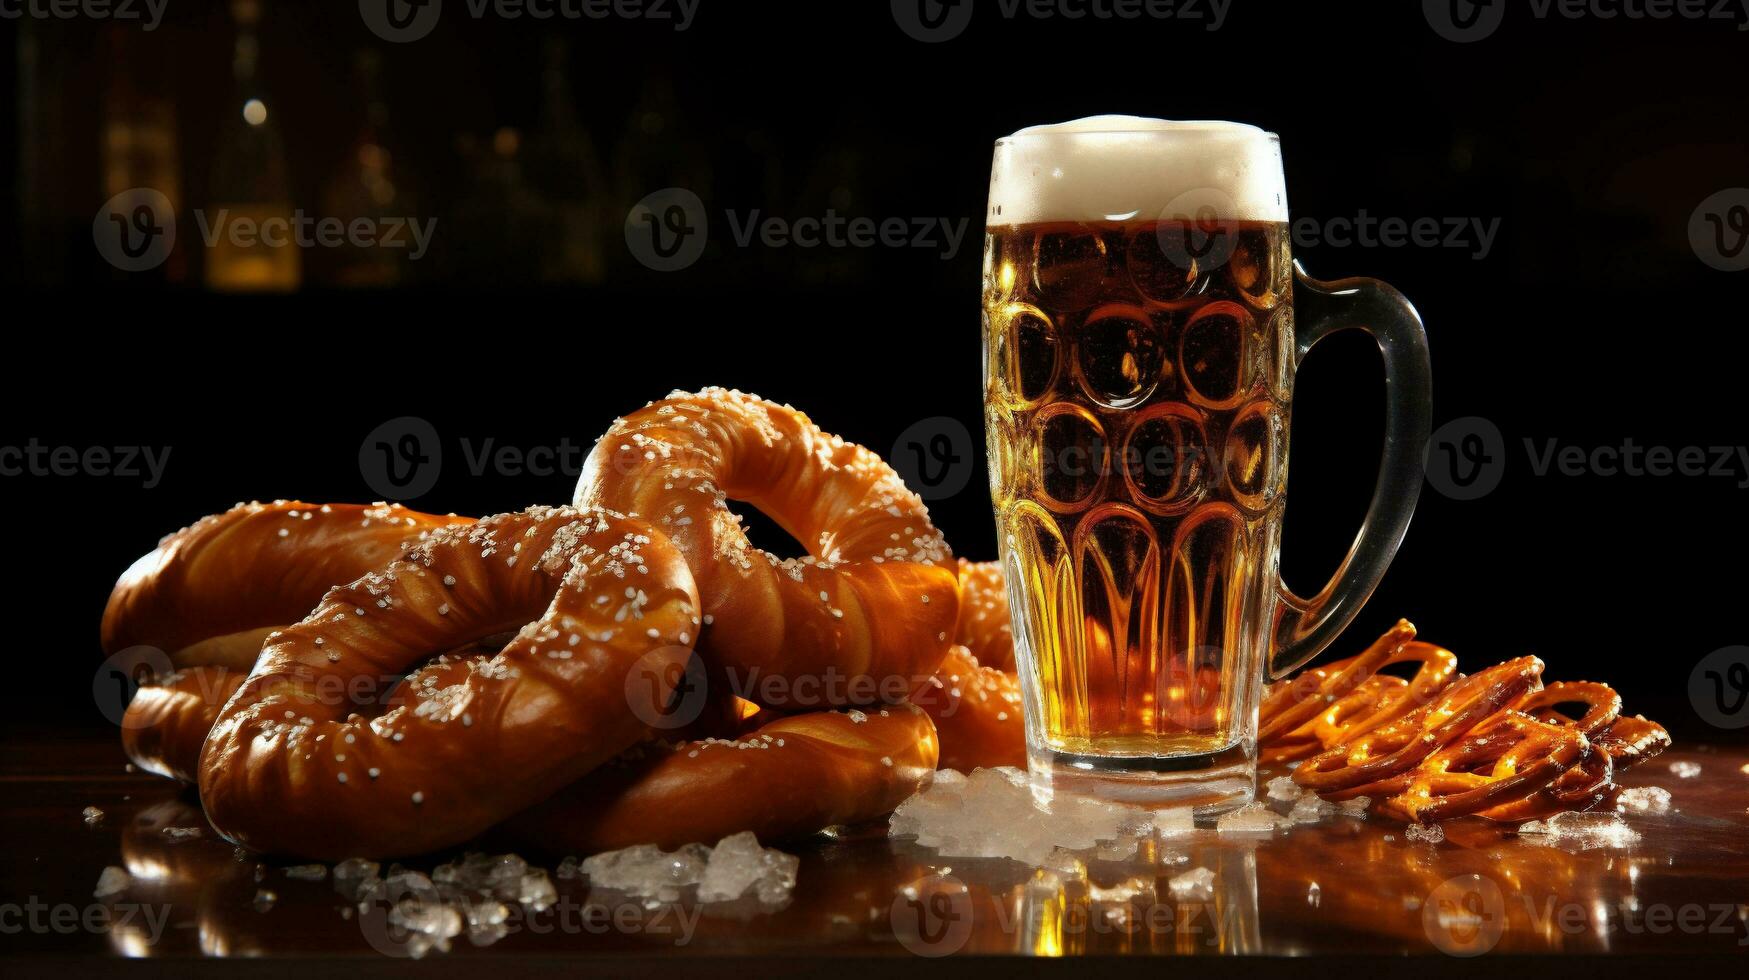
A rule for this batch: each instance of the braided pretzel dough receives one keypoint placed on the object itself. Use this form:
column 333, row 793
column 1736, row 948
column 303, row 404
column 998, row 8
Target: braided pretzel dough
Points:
column 866, row 617
column 289, row 768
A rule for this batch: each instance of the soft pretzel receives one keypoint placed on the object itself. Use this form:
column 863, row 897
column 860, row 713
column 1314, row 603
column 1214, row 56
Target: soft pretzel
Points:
column 790, row 776
column 865, row 617
column 978, row 715
column 593, row 596
column 974, row 697
column 210, row 593
column 167, row 721
column 984, row 628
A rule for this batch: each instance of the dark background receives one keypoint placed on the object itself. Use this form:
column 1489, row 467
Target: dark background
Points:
column 1590, row 321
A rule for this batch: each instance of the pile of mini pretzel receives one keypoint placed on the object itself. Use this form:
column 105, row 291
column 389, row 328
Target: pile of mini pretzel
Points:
column 369, row 681
column 1498, row 743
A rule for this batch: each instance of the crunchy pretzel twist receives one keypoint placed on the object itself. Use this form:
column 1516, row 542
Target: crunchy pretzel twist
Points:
column 864, row 618
column 1327, row 705
column 1492, row 744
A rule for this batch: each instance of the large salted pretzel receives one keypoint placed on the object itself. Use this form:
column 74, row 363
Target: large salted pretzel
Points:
column 784, row 776
column 865, row 617
column 975, row 695
column 292, row 766
column 209, row 595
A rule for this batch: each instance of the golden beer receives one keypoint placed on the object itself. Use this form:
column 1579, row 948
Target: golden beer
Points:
column 1137, row 426
column 1140, row 344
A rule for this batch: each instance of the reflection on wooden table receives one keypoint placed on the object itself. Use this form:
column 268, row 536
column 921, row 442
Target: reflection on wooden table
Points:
column 1344, row 886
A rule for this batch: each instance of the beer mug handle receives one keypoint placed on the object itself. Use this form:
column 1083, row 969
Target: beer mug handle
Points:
column 1304, row 627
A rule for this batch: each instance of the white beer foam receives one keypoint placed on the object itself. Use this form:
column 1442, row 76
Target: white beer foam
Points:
column 1114, row 168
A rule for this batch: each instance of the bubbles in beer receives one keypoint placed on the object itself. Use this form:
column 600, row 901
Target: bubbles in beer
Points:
column 1119, row 354
column 1212, row 354
column 1165, row 458
column 1256, row 443
column 1072, row 457
column 1069, row 269
column 1026, row 352
column 1156, row 275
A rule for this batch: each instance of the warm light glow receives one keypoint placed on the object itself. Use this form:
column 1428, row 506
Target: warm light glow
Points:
column 255, row 112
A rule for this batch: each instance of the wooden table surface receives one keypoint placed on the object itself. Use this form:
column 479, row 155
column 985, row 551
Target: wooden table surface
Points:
column 1348, row 889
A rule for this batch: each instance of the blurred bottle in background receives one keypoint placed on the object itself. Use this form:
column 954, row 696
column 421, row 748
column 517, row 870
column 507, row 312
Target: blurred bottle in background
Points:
column 498, row 225
column 366, row 188
column 656, row 151
column 250, row 183
column 564, row 170
column 138, row 143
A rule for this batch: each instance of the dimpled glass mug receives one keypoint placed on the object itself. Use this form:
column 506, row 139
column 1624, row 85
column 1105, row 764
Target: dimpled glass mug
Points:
column 1143, row 320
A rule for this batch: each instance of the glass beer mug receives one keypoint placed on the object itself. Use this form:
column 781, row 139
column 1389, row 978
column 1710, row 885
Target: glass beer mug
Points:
column 1143, row 320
